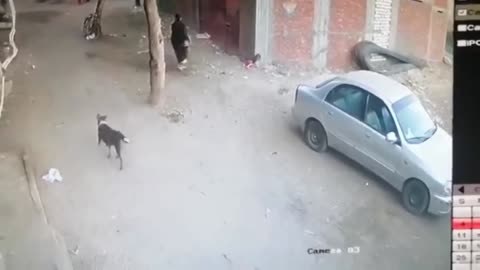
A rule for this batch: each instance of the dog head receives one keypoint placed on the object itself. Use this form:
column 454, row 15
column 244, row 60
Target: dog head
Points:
column 101, row 118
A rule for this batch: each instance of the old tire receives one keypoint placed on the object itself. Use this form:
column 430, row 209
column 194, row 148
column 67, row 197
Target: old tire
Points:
column 363, row 51
column 416, row 197
column 315, row 136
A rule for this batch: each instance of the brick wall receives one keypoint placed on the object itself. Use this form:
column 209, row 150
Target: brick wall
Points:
column 347, row 27
column 413, row 27
column 438, row 35
column 293, row 31
column 422, row 29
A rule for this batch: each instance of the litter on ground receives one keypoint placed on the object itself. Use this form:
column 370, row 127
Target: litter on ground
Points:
column 203, row 36
column 53, row 175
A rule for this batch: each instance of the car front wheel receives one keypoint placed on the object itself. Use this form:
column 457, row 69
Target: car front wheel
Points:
column 416, row 197
column 315, row 136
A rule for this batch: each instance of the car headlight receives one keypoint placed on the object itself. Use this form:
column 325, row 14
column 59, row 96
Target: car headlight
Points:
column 448, row 187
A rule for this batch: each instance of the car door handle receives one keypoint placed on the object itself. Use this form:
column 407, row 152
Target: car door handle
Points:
column 330, row 113
column 367, row 136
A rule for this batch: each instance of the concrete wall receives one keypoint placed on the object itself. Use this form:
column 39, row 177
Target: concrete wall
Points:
column 263, row 29
column 450, row 7
column 321, row 24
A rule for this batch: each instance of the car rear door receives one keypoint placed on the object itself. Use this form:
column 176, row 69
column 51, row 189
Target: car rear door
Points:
column 344, row 113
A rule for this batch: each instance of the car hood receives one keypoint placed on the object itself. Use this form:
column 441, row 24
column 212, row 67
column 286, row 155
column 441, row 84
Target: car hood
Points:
column 436, row 155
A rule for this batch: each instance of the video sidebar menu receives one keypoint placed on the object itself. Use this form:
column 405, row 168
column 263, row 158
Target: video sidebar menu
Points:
column 466, row 137
column 466, row 86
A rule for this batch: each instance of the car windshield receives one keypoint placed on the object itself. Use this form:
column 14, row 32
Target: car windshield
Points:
column 414, row 121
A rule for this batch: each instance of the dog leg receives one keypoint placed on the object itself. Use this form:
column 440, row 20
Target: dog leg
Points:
column 119, row 155
column 99, row 140
column 109, row 152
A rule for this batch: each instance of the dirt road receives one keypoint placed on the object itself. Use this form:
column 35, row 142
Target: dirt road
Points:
column 230, row 185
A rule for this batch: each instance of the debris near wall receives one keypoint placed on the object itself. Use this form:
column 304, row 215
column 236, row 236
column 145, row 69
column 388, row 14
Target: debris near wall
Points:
column 202, row 36
column 252, row 63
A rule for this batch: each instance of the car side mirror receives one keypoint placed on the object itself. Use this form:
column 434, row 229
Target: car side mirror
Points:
column 391, row 137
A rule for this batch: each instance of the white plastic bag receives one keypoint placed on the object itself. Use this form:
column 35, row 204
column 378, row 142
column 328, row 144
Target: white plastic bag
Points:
column 53, row 175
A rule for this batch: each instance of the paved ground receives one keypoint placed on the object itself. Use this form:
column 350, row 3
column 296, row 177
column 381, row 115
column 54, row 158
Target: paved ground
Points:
column 229, row 186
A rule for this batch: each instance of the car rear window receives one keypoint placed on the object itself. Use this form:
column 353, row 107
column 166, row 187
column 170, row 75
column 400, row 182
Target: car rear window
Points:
column 325, row 82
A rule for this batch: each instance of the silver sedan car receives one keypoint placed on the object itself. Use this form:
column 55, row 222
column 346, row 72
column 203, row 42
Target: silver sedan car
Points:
column 383, row 126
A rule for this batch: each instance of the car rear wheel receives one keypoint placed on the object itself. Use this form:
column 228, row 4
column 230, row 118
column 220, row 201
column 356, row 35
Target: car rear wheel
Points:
column 416, row 197
column 315, row 136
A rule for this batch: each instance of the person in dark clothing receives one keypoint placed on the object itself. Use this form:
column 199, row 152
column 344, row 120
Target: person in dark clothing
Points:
column 180, row 41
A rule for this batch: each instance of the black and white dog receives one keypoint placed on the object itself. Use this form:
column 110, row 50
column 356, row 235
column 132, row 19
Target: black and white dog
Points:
column 110, row 137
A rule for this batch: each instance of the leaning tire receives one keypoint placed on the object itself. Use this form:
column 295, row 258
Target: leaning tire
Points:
column 315, row 136
column 416, row 197
column 362, row 53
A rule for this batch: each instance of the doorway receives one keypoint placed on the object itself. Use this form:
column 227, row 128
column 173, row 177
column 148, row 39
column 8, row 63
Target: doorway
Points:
column 221, row 20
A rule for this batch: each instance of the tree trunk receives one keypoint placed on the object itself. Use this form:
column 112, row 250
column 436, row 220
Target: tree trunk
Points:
column 157, row 51
column 99, row 8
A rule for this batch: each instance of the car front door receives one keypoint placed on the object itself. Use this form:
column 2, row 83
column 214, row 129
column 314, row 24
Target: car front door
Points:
column 383, row 156
column 344, row 113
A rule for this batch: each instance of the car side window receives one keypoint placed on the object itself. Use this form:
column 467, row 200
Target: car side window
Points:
column 378, row 117
column 348, row 98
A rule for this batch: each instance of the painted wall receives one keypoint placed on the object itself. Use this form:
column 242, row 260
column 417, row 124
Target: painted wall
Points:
column 292, row 39
column 189, row 11
column 422, row 28
column 317, row 33
column 347, row 24
column 232, row 7
column 166, row 5
column 247, row 29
